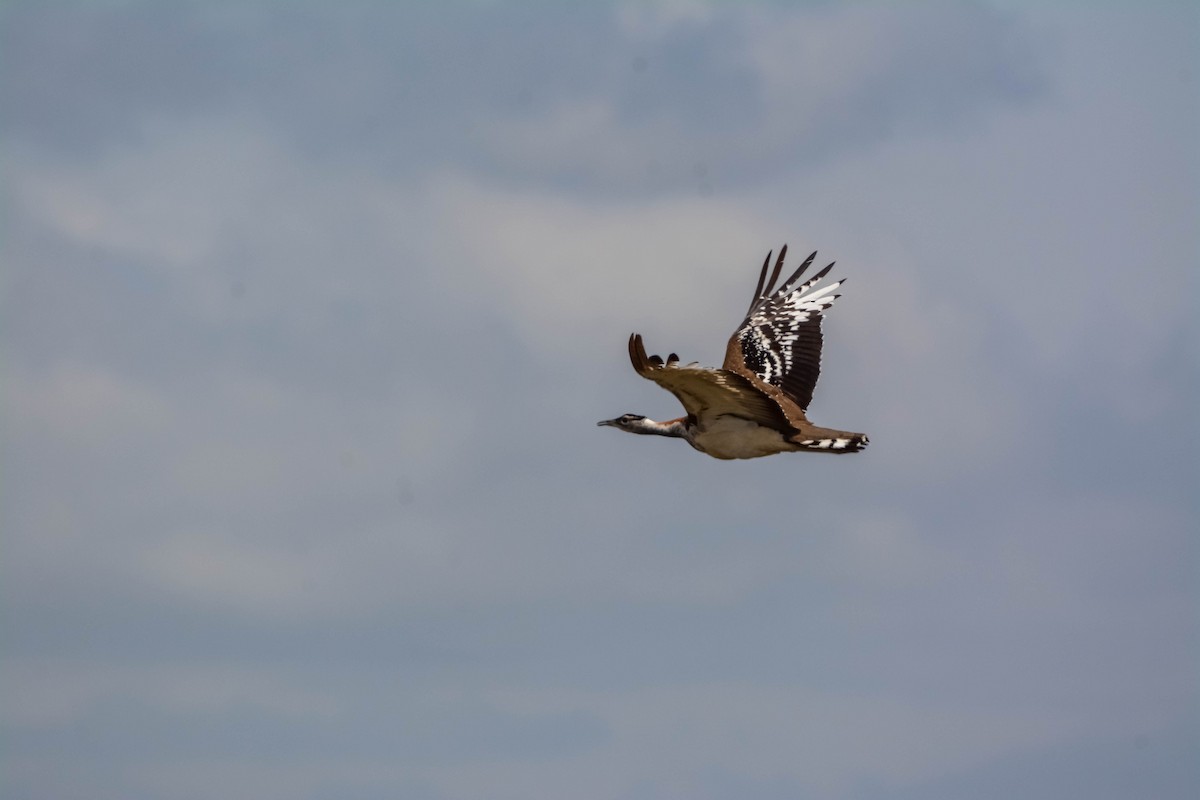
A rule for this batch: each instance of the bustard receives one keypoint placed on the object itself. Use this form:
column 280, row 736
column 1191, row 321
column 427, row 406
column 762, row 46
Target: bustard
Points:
column 755, row 404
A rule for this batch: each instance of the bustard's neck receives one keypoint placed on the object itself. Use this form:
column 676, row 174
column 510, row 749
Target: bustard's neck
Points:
column 673, row 428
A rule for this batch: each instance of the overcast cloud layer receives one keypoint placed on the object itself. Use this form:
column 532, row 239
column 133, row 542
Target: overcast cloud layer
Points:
column 309, row 310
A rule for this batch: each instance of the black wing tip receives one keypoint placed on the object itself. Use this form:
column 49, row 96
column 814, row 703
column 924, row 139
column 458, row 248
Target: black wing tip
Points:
column 789, row 286
column 769, row 286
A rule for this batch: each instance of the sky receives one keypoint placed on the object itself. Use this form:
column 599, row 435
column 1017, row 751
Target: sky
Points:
column 308, row 312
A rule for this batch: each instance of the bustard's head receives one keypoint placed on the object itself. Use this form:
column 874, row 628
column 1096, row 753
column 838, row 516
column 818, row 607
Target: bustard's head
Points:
column 634, row 423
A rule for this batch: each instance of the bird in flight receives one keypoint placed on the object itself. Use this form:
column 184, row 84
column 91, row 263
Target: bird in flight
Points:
column 755, row 404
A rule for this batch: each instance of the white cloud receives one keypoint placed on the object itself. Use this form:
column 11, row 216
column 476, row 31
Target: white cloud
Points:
column 55, row 692
column 235, row 225
column 415, row 563
column 884, row 549
column 566, row 272
column 213, row 569
column 778, row 86
column 87, row 405
column 657, row 19
column 673, row 740
column 166, row 201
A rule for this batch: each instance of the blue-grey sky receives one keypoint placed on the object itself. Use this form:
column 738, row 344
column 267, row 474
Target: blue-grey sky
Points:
column 309, row 311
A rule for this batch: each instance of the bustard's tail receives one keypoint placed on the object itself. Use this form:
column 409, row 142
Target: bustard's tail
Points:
column 824, row 440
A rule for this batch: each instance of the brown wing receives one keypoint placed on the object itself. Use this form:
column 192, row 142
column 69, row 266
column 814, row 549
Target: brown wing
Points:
column 779, row 341
column 707, row 393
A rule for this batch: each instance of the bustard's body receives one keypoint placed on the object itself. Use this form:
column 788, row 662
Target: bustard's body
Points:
column 755, row 404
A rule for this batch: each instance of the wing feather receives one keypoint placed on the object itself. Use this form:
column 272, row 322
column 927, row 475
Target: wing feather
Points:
column 779, row 341
column 707, row 393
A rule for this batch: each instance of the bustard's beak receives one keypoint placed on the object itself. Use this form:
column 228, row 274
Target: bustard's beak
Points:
column 607, row 422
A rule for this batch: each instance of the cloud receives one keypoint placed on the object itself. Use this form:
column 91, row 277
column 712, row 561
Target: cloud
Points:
column 550, row 262
column 58, row 692
column 619, row 99
column 679, row 741
column 781, row 87
column 268, row 451
column 226, row 219
column 309, row 315
column 84, row 404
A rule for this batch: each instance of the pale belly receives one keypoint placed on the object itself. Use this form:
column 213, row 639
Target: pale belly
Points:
column 731, row 437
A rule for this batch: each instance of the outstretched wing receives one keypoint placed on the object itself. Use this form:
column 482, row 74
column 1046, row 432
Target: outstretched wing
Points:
column 707, row 393
column 779, row 342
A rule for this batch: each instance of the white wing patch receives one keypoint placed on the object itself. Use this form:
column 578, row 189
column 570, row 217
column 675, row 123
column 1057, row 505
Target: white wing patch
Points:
column 772, row 330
